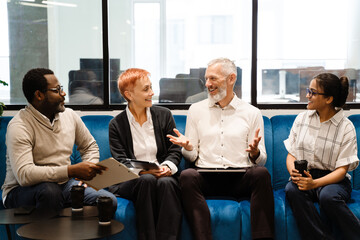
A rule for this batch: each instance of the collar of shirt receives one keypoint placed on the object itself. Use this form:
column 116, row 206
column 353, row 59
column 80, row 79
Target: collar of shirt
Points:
column 132, row 118
column 234, row 103
column 43, row 116
column 336, row 119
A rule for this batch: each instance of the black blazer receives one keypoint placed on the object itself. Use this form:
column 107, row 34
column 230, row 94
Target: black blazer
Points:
column 120, row 139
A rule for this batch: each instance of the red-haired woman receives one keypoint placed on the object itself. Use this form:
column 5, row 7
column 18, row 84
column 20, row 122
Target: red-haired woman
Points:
column 140, row 132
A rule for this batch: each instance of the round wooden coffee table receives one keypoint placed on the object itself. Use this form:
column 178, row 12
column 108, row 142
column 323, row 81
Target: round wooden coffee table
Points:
column 67, row 228
column 8, row 217
column 88, row 211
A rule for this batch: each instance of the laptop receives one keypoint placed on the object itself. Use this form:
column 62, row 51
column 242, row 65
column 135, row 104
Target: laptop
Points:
column 209, row 170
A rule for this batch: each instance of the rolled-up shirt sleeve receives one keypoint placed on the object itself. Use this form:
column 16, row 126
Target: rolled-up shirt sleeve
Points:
column 348, row 150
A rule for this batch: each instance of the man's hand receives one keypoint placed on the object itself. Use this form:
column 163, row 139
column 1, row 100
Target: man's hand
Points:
column 253, row 149
column 84, row 170
column 180, row 140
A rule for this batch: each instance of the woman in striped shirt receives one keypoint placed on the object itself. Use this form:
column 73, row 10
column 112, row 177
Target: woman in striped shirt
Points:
column 327, row 140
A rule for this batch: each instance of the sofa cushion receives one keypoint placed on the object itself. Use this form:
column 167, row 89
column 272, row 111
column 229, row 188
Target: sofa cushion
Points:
column 281, row 125
column 125, row 214
column 98, row 126
column 180, row 121
column 225, row 220
column 355, row 119
column 268, row 138
column 4, row 121
column 280, row 220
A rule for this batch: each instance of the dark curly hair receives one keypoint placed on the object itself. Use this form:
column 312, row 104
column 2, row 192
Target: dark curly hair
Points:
column 34, row 80
column 334, row 86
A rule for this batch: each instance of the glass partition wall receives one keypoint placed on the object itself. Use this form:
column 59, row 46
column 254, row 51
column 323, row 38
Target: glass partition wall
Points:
column 290, row 43
column 60, row 35
column 174, row 40
column 299, row 39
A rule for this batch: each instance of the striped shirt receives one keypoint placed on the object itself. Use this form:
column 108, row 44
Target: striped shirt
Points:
column 327, row 145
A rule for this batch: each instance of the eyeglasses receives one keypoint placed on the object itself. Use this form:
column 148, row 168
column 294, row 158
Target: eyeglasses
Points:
column 313, row 93
column 59, row 89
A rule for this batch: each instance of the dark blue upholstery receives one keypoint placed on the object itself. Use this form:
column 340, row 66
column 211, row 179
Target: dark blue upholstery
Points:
column 3, row 126
column 229, row 219
column 281, row 126
column 4, row 121
column 180, row 121
column 98, row 125
column 355, row 119
column 268, row 136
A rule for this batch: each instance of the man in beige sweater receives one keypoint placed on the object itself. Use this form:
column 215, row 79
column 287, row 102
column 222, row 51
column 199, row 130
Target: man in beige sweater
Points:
column 40, row 140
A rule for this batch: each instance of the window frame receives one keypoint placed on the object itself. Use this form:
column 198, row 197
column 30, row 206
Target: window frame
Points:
column 106, row 106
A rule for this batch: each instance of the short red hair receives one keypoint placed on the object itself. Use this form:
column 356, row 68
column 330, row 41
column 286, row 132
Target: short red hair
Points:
column 128, row 79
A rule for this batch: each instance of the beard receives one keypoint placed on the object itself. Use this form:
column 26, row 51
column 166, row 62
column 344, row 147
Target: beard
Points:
column 61, row 108
column 219, row 96
column 56, row 107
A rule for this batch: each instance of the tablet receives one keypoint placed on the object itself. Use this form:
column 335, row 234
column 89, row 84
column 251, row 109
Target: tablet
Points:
column 146, row 165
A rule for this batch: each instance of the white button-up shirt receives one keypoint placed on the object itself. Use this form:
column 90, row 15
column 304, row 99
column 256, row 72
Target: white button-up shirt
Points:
column 143, row 137
column 220, row 136
column 327, row 145
column 144, row 142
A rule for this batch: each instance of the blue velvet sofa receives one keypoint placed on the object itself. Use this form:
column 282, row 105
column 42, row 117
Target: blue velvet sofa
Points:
column 229, row 219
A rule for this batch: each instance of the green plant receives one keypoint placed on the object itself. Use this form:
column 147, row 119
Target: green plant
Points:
column 2, row 105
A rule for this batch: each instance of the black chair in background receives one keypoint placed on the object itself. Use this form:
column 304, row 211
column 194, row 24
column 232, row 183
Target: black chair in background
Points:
column 97, row 64
column 115, row 96
column 177, row 90
column 307, row 75
column 86, row 85
column 84, row 88
column 200, row 94
column 200, row 73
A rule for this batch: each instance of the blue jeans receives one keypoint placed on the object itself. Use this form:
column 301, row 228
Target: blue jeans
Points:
column 332, row 199
column 52, row 195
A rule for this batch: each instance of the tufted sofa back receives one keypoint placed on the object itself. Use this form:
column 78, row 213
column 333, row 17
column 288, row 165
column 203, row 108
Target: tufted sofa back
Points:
column 355, row 119
column 4, row 121
column 276, row 131
column 280, row 125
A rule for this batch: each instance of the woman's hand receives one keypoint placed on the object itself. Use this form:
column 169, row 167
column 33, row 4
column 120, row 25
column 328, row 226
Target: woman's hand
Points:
column 295, row 175
column 306, row 183
column 163, row 171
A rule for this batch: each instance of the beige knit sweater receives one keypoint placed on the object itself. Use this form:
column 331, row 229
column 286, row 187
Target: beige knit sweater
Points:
column 39, row 152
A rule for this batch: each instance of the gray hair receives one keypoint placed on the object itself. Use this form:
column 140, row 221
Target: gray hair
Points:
column 228, row 66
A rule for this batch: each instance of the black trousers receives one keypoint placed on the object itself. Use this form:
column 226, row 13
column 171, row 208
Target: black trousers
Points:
column 255, row 183
column 157, row 204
